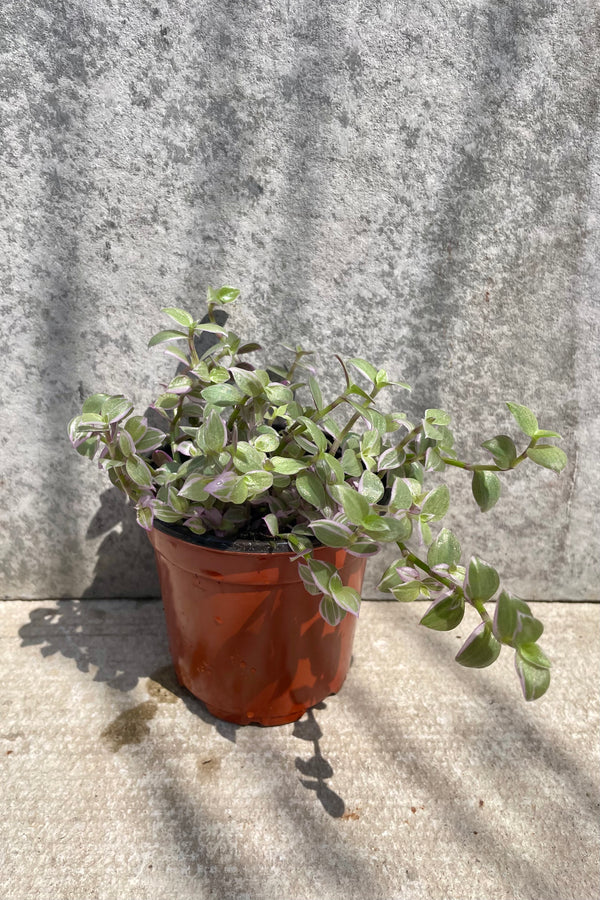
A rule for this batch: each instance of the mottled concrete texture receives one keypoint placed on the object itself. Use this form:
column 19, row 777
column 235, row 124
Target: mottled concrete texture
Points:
column 415, row 182
column 418, row 781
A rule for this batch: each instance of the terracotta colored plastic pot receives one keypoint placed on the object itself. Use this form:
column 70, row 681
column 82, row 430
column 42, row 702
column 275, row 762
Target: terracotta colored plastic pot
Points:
column 245, row 636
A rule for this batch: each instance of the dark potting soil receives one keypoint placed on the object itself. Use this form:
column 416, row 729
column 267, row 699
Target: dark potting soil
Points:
column 248, row 540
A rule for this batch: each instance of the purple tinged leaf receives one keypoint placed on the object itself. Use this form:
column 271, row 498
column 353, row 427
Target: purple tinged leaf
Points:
column 364, row 549
column 116, row 408
column 308, row 581
column 150, row 440
column 139, row 471
column 181, row 384
column 330, row 611
column 178, row 354
column 321, row 573
column 331, row 533
column 407, row 573
column 535, row 680
column 126, row 443
column 163, row 336
column 145, row 511
column 480, row 649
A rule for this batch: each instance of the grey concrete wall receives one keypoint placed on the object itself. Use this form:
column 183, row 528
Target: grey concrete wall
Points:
column 414, row 182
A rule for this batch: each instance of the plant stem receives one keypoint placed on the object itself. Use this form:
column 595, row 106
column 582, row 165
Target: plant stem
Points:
column 409, row 437
column 414, row 560
column 471, row 467
column 336, row 444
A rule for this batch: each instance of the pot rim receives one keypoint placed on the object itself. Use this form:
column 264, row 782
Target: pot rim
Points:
column 227, row 545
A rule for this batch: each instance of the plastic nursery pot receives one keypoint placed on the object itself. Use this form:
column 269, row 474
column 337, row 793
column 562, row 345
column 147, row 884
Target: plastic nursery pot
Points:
column 246, row 638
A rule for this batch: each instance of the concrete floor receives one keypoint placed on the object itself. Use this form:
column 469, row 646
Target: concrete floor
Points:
column 420, row 780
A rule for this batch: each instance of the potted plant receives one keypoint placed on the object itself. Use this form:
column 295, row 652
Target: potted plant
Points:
column 263, row 500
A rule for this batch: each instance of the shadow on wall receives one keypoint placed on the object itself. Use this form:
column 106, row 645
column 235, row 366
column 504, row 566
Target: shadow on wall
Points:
column 125, row 564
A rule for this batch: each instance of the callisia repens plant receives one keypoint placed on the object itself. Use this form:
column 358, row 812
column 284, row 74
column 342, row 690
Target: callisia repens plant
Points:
column 260, row 453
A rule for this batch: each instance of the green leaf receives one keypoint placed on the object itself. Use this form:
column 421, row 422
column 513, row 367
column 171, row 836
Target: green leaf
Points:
column 481, row 649
column 179, row 316
column 333, row 469
column 524, row 418
column 150, row 440
column 247, row 458
column 370, row 487
column 445, row 614
column 344, row 596
column 445, row 550
column 211, row 328
column 180, row 504
column 248, row 382
column 268, row 439
column 351, row 463
column 214, row 433
column 401, row 496
column 433, row 460
column 219, row 375
column 365, row 548
column 136, row 427
column 193, row 488
column 94, row 403
column 227, row 294
column 172, row 350
column 482, row 580
column 311, row 489
column 503, row 449
column 486, row 488
column 356, row 507
column 139, row 471
column 164, row 512
column 126, row 443
column 514, row 623
column 257, row 482
column 167, row 401
column 390, row 578
column 548, row 456
column 426, row 535
column 316, row 392
column 330, row 611
column 278, row 394
column 542, row 433
column 222, row 394
column 330, row 533
column 144, row 517
column 116, row 408
column 365, row 367
column 391, row 458
column 437, row 503
column 272, row 523
column 163, row 336
column 89, row 422
column 321, row 572
column 437, row 416
column 535, row 679
column 181, row 384
column 407, row 592
column 285, row 465
column 316, row 435
column 533, row 654
column 387, row 528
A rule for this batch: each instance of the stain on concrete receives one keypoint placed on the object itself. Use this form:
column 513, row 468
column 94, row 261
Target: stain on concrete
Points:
column 208, row 766
column 130, row 726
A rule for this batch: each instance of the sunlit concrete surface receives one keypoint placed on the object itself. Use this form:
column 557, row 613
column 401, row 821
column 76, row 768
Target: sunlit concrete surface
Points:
column 420, row 780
